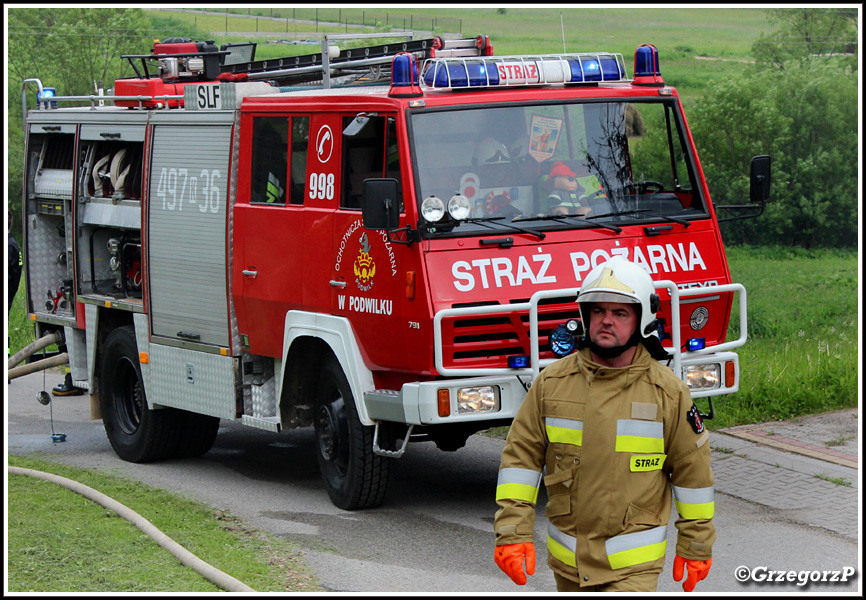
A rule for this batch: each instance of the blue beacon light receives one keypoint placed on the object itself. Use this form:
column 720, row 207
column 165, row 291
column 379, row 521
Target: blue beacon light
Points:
column 518, row 361
column 695, row 344
column 404, row 76
column 562, row 341
column 646, row 66
column 46, row 97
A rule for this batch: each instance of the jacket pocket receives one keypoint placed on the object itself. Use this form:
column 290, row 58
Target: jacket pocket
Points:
column 563, row 424
column 639, row 518
column 560, row 484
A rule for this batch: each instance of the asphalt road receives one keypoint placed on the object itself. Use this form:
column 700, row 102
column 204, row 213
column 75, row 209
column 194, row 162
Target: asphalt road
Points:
column 434, row 532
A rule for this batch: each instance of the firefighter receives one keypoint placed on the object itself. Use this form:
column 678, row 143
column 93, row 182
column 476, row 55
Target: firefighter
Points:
column 613, row 433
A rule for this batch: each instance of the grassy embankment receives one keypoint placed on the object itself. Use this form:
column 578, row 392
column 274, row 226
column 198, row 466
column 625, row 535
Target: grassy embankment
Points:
column 60, row 541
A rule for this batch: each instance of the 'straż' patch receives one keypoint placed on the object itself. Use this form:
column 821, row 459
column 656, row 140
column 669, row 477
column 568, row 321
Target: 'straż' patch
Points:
column 646, row 462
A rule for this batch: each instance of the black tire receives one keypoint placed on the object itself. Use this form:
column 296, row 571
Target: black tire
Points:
column 137, row 433
column 197, row 434
column 354, row 476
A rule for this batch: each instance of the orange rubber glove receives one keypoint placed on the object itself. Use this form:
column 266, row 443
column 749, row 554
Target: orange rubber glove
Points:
column 697, row 569
column 510, row 559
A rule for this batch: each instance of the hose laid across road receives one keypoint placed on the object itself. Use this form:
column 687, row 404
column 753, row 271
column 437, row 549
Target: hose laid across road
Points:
column 212, row 574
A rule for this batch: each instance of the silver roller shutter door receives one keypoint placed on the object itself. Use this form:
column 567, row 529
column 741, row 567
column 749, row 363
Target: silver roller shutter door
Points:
column 187, row 233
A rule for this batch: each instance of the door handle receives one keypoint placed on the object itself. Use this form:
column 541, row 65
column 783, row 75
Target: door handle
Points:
column 337, row 284
column 249, row 273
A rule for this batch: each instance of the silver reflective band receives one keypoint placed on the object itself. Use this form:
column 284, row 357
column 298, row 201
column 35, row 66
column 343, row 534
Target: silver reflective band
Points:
column 520, row 476
column 649, row 429
column 693, row 495
column 564, row 431
column 630, row 541
column 560, row 538
column 564, row 423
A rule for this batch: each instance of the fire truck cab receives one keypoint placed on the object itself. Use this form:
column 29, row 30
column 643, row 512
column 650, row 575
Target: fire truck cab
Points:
column 385, row 262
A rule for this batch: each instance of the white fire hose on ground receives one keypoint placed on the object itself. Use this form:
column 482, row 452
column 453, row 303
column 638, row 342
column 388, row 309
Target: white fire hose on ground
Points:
column 212, row 574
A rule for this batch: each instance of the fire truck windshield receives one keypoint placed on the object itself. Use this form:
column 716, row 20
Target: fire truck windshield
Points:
column 556, row 166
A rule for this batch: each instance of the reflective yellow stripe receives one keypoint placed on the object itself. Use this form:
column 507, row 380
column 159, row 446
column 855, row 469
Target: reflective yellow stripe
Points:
column 564, row 431
column 695, row 503
column 636, row 548
column 518, row 484
column 561, row 546
column 640, row 436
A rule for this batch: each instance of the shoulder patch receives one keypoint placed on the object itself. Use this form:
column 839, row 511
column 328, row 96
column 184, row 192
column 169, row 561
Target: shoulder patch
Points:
column 694, row 417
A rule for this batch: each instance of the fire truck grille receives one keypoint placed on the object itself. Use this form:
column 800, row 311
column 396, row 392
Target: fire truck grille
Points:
column 480, row 341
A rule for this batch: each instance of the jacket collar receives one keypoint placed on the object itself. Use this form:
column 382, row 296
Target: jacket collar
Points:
column 591, row 370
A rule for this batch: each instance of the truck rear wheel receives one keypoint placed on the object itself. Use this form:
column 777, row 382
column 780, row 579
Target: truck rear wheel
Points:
column 354, row 476
column 136, row 433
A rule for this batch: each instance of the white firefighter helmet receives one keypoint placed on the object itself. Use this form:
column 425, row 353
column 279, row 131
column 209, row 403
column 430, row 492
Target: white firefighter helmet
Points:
column 490, row 151
column 619, row 280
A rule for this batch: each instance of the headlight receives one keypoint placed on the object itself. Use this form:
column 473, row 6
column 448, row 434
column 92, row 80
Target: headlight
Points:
column 482, row 399
column 432, row 209
column 703, row 377
column 459, row 207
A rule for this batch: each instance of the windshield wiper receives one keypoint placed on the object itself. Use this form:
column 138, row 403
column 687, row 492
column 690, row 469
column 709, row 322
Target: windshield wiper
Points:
column 580, row 221
column 647, row 211
column 486, row 220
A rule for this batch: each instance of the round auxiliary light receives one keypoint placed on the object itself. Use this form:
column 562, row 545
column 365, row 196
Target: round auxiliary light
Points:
column 562, row 341
column 459, row 207
column 432, row 209
column 574, row 326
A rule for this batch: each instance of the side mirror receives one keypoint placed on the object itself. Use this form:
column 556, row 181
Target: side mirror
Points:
column 380, row 204
column 759, row 180
column 357, row 124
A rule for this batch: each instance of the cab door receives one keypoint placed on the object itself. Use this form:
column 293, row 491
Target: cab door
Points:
column 271, row 228
column 368, row 273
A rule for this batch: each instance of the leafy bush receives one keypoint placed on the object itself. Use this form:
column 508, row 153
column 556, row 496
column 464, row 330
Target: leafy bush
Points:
column 804, row 119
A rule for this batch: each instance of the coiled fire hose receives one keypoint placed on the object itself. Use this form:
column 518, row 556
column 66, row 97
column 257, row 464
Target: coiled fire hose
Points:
column 212, row 574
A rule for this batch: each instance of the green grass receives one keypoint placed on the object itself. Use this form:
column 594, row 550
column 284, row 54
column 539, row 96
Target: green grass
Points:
column 836, row 480
column 59, row 541
column 681, row 34
column 801, row 356
column 20, row 332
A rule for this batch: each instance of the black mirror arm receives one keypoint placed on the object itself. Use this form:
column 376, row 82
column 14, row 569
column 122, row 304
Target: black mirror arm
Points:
column 758, row 210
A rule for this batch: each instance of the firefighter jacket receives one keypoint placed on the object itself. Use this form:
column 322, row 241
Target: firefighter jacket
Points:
column 612, row 446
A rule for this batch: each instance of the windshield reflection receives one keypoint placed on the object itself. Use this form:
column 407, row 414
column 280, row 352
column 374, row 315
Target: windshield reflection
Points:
column 601, row 162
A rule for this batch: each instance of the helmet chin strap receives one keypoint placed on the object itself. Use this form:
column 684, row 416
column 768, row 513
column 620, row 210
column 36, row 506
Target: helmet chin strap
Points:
column 616, row 350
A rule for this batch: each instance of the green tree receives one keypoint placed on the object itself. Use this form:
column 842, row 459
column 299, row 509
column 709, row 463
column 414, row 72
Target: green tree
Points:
column 799, row 104
column 805, row 33
column 806, row 120
column 69, row 49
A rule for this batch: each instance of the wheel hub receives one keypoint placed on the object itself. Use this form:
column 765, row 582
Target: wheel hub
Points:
column 328, row 432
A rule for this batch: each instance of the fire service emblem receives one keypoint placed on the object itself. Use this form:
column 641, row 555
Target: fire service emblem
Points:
column 365, row 267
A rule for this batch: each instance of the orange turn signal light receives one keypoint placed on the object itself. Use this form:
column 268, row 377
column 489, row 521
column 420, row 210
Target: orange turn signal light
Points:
column 410, row 284
column 444, row 402
column 730, row 374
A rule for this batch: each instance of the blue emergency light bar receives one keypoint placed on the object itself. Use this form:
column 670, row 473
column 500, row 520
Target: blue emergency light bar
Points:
column 505, row 71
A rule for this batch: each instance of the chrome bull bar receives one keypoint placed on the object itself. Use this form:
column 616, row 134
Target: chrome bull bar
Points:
column 536, row 363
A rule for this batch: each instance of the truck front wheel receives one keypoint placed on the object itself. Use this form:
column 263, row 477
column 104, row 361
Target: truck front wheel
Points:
column 354, row 476
column 136, row 433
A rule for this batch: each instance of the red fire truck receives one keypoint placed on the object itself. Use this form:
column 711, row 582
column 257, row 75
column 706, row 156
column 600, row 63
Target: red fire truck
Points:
column 369, row 242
